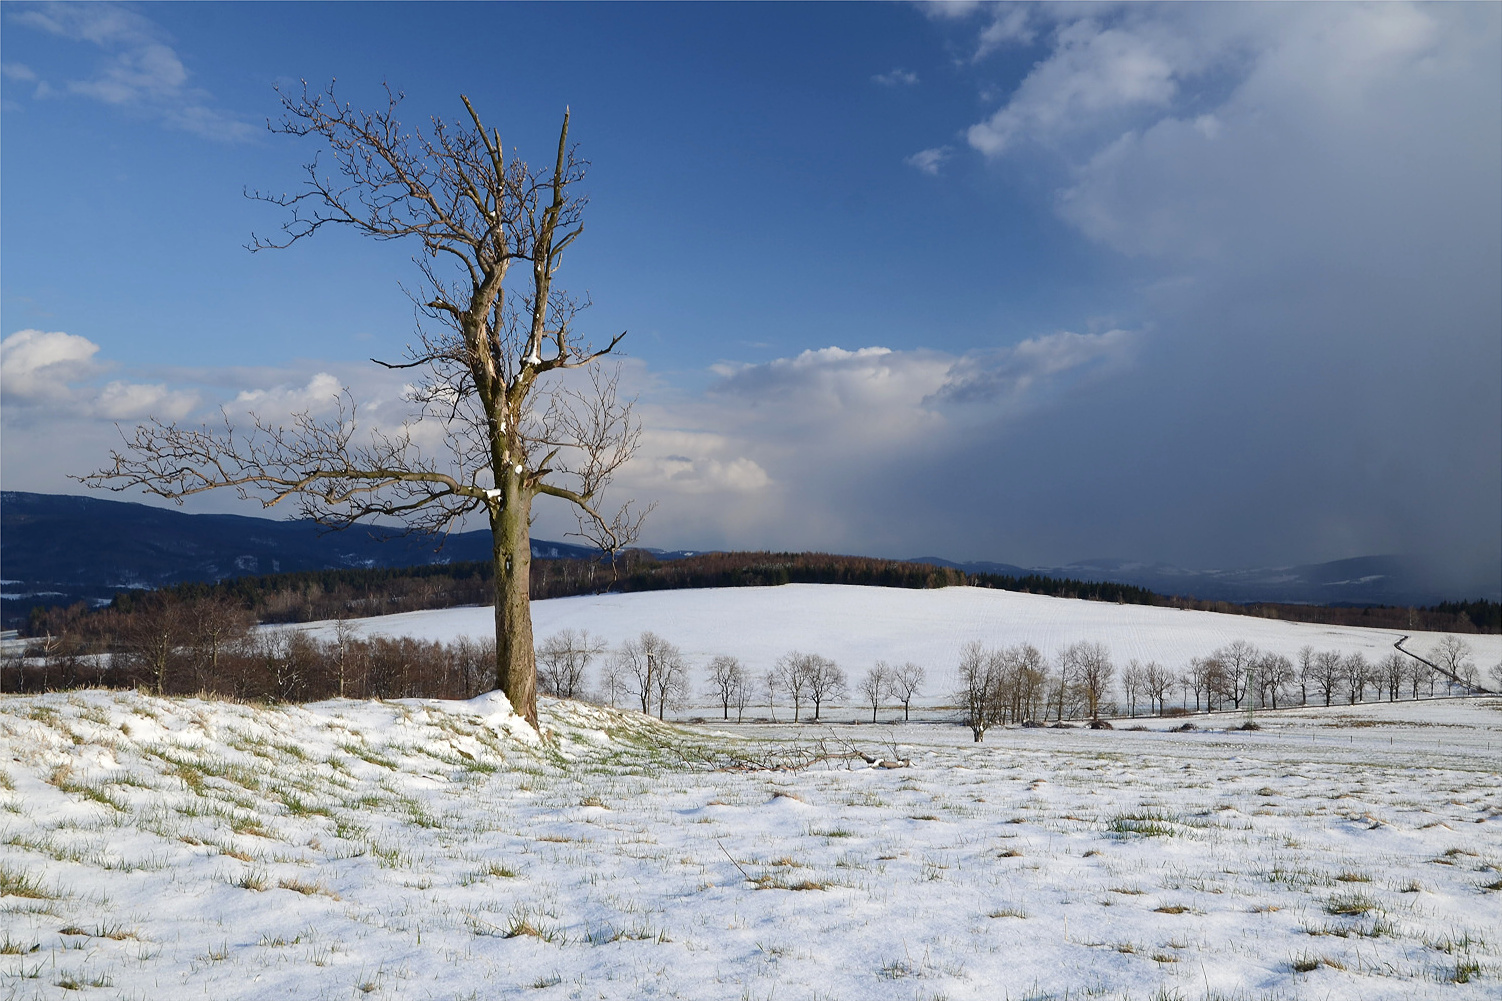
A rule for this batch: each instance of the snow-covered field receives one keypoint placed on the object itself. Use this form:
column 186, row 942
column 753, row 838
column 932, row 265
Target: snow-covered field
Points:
column 857, row 626
column 175, row 848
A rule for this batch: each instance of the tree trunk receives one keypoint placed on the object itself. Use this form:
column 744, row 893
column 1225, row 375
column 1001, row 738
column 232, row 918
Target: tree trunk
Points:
column 515, row 658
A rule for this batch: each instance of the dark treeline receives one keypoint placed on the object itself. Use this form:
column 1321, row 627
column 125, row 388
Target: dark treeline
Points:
column 1449, row 617
column 356, row 593
column 205, row 644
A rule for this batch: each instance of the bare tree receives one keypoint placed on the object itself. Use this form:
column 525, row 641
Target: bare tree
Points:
column 214, row 624
column 1328, row 668
column 727, row 681
column 1133, row 684
column 490, row 367
column 564, row 659
column 792, row 677
column 1356, row 669
column 1390, row 674
column 1452, row 655
column 1023, row 680
column 978, row 694
column 1158, row 681
column 643, row 662
column 1206, row 675
column 475, row 661
column 670, row 678
column 153, row 633
column 907, row 682
column 1275, row 673
column 1421, row 672
column 1237, row 662
column 743, row 694
column 1066, row 688
column 771, row 684
column 1495, row 673
column 346, row 653
column 825, row 680
column 875, row 687
column 1091, row 669
column 1306, row 672
column 614, row 685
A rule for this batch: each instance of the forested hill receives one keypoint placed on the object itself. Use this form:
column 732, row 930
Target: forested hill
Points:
column 328, row 594
column 59, row 551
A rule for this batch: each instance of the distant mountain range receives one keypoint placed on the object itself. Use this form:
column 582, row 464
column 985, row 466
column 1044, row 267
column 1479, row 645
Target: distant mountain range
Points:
column 1363, row 580
column 59, row 549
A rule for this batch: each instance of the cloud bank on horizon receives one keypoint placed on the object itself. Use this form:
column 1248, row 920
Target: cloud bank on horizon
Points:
column 1302, row 211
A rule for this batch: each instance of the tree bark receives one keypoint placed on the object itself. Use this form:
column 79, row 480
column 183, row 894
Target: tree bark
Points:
column 515, row 657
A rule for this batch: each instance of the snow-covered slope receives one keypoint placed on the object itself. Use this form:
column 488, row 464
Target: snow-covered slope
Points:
column 859, row 625
column 171, row 849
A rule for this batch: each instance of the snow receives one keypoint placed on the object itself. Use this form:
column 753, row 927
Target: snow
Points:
column 859, row 625
column 173, row 848
column 178, row 848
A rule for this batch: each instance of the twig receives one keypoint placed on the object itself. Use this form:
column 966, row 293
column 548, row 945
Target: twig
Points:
column 733, row 861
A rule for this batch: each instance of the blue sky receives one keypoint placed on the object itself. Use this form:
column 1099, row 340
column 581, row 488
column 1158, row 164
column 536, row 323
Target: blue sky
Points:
column 1209, row 284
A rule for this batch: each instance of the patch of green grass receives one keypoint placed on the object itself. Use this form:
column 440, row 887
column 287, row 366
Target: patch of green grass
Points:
column 1309, row 962
column 17, row 883
column 1146, row 823
column 1350, row 904
column 253, row 879
column 306, row 888
column 524, row 921
column 11, row 947
column 1466, row 970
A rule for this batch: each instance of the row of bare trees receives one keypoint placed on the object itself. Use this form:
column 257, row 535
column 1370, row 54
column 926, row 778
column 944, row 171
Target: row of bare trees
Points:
column 1011, row 685
column 651, row 674
column 1238, row 675
column 275, row 665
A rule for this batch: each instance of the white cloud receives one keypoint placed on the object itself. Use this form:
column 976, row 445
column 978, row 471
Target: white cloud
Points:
column 1341, row 119
column 130, row 401
column 951, row 9
column 1094, row 73
column 38, row 365
column 48, row 372
column 896, row 77
column 142, row 70
column 929, row 160
column 17, row 71
column 1009, row 23
column 868, row 386
column 685, row 462
column 1021, row 373
column 318, row 395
